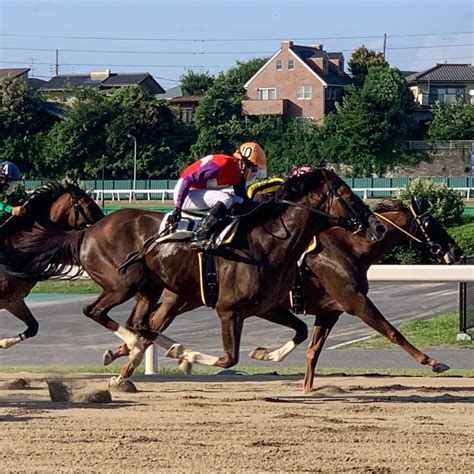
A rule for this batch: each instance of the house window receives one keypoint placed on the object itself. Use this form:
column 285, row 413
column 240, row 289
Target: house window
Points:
column 331, row 93
column 279, row 64
column 446, row 95
column 267, row 94
column 303, row 92
column 291, row 64
column 186, row 114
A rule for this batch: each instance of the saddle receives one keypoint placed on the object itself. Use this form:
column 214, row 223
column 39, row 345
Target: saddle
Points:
column 223, row 234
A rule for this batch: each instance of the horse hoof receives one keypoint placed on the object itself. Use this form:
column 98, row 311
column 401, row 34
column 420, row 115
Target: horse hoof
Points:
column 440, row 367
column 120, row 385
column 175, row 351
column 259, row 353
column 108, row 357
column 186, row 366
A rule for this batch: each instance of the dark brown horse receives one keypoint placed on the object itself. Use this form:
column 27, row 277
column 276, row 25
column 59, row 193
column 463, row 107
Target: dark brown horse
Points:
column 254, row 272
column 53, row 206
column 335, row 276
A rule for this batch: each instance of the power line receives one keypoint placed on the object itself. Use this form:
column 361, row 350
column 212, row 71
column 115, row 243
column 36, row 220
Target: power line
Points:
column 210, row 52
column 221, row 40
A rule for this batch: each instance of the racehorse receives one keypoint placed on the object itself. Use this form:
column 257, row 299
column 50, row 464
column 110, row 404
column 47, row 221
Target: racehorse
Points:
column 254, row 271
column 335, row 275
column 52, row 206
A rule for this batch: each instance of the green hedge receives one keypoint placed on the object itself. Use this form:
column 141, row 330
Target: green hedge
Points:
column 464, row 237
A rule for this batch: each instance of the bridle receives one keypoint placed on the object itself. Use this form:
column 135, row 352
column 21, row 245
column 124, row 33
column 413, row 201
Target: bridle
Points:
column 78, row 210
column 434, row 248
column 353, row 222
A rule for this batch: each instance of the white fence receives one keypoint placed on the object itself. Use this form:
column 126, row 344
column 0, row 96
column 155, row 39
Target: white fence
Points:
column 117, row 194
column 402, row 273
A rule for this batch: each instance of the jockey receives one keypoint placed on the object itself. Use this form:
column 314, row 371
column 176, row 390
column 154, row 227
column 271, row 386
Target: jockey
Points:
column 9, row 177
column 215, row 183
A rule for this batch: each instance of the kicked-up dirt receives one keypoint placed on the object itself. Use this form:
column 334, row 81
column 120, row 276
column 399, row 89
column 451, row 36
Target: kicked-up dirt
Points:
column 240, row 424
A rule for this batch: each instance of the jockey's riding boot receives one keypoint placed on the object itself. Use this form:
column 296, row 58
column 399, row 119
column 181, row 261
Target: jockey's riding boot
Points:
column 202, row 233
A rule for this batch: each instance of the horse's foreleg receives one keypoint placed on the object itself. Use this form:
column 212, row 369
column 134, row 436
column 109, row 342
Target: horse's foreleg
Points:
column 362, row 307
column 323, row 325
column 283, row 316
column 98, row 312
column 19, row 309
column 138, row 321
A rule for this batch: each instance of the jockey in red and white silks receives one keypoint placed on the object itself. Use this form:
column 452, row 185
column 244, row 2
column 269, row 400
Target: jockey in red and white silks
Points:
column 212, row 179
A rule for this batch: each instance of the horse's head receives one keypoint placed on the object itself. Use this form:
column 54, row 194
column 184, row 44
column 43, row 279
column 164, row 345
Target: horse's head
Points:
column 324, row 190
column 433, row 234
column 64, row 205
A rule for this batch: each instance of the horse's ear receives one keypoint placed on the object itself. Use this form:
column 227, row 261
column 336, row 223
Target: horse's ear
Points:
column 419, row 205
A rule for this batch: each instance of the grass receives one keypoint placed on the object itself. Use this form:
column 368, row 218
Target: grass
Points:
column 79, row 287
column 440, row 331
column 282, row 371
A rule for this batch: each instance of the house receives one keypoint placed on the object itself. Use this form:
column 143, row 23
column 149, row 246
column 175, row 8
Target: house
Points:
column 184, row 104
column 444, row 83
column 102, row 80
column 22, row 74
column 297, row 81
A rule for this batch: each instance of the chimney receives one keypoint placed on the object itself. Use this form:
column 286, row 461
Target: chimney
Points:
column 319, row 47
column 100, row 75
column 286, row 45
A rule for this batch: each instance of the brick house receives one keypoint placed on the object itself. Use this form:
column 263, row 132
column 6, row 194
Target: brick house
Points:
column 297, row 81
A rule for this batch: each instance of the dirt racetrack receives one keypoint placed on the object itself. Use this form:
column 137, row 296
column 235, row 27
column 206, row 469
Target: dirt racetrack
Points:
column 242, row 424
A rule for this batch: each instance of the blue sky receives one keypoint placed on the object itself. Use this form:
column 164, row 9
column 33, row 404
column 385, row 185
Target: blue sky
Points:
column 166, row 38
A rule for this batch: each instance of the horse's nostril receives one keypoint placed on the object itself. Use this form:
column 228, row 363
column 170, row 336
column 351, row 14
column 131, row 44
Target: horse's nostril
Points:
column 380, row 229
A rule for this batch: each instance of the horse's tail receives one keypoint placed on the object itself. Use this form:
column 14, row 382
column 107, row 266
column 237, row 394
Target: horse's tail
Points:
column 43, row 255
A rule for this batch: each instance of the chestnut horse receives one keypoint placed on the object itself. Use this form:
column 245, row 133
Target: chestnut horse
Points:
column 335, row 276
column 254, row 271
column 335, row 279
column 52, row 206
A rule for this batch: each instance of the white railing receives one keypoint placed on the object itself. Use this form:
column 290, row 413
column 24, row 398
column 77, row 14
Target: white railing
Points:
column 131, row 193
column 403, row 273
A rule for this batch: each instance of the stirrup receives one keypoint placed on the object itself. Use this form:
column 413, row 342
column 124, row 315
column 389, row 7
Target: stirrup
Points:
column 202, row 244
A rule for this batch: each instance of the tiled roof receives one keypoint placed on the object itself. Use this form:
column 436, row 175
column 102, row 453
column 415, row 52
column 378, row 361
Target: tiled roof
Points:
column 332, row 77
column 13, row 72
column 445, row 73
column 186, row 98
column 58, row 83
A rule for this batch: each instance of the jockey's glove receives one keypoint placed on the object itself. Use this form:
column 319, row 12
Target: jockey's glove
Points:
column 175, row 216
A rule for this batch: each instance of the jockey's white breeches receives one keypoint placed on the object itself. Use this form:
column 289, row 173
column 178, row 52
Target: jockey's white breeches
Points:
column 203, row 199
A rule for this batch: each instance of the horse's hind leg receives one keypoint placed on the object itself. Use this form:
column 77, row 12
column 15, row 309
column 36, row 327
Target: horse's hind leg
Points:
column 283, row 316
column 19, row 309
column 323, row 325
column 362, row 307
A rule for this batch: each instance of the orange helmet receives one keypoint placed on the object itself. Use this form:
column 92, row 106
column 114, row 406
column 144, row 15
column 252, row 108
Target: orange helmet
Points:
column 252, row 153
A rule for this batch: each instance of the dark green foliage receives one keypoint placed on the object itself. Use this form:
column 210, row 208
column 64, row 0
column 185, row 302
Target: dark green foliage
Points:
column 463, row 235
column 361, row 60
column 445, row 204
column 368, row 132
column 452, row 122
column 196, row 83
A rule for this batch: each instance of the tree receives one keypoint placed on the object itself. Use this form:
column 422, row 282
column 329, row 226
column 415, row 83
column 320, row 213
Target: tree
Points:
column 220, row 105
column 195, row 83
column 22, row 123
column 368, row 131
column 361, row 60
column 452, row 122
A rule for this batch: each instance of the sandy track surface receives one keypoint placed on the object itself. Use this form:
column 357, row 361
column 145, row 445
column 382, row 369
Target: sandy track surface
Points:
column 242, row 424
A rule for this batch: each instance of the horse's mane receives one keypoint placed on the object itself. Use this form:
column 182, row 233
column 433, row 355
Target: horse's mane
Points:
column 293, row 189
column 390, row 205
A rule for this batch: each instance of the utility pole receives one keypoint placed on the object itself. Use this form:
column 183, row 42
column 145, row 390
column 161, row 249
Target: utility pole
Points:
column 384, row 44
column 57, row 63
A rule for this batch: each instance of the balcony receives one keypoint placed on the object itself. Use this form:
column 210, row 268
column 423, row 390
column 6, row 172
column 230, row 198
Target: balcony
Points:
column 266, row 107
